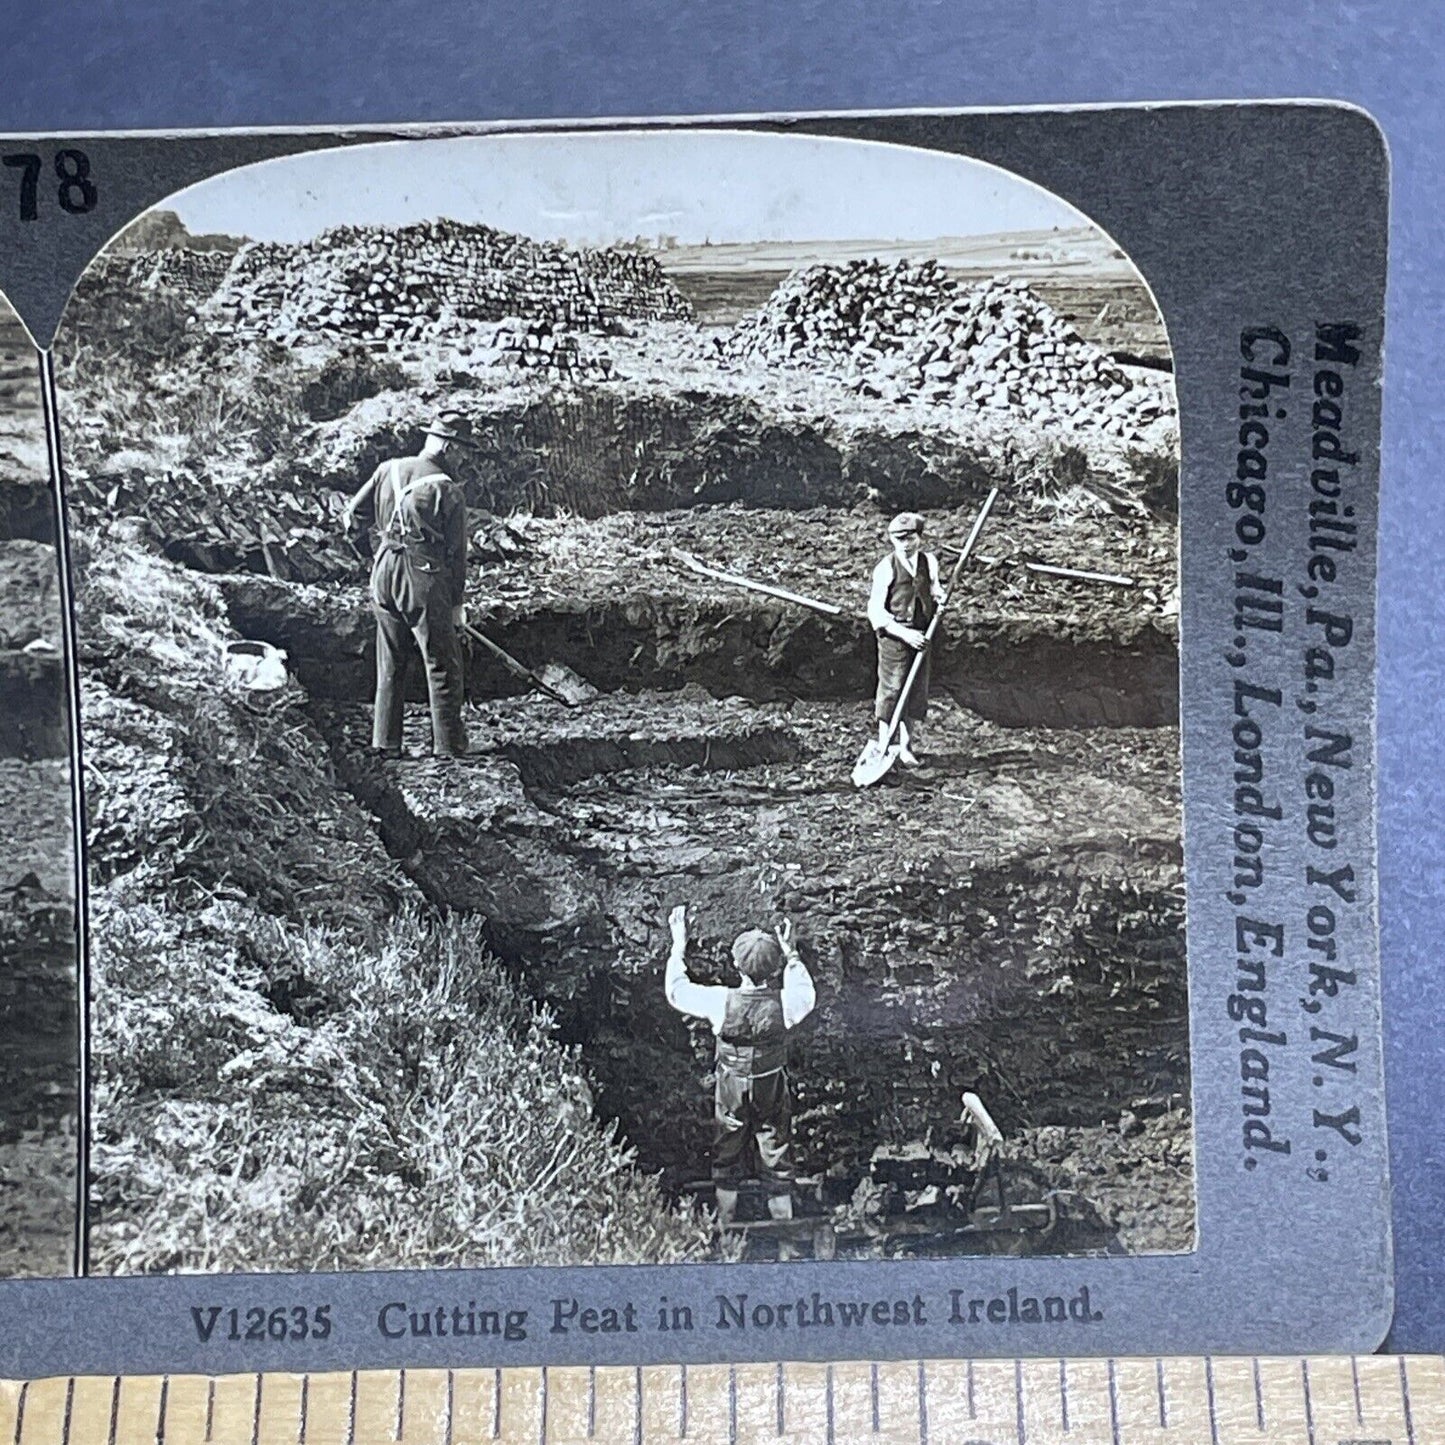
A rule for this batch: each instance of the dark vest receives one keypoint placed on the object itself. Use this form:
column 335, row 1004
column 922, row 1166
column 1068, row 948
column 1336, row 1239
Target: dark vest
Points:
column 910, row 599
column 753, row 1041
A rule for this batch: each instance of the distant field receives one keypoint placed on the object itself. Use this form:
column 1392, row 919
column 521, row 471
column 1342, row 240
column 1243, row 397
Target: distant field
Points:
column 1079, row 273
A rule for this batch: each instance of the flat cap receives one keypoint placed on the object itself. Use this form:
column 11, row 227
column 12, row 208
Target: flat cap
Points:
column 757, row 955
column 906, row 524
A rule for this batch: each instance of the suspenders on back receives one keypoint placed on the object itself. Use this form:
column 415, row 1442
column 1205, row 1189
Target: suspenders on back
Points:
column 396, row 533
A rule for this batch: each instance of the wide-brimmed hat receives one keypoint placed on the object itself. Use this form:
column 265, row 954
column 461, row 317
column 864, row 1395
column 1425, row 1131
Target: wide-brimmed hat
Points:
column 906, row 524
column 452, row 426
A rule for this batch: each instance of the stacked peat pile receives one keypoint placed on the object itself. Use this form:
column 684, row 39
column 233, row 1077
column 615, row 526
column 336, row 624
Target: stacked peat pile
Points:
column 382, row 284
column 906, row 332
column 546, row 346
column 191, row 275
column 270, row 527
column 997, row 346
column 842, row 315
column 254, row 525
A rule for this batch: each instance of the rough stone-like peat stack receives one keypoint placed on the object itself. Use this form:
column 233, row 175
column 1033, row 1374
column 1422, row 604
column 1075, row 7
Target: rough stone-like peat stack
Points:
column 403, row 283
column 843, row 314
column 190, row 274
column 907, row 332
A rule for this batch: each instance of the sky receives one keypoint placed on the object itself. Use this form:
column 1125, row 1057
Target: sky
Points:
column 600, row 188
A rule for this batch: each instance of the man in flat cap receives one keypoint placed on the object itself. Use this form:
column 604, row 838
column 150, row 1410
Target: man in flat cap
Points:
column 906, row 593
column 752, row 1104
column 417, row 582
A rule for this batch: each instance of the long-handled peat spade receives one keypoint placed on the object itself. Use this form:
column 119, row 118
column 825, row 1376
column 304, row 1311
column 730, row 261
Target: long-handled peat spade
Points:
column 877, row 758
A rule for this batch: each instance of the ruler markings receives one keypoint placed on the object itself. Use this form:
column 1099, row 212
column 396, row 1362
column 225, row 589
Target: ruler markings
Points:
column 708, row 1414
column 185, row 1409
column 473, row 1397
column 1304, row 1373
column 658, row 1391
column 521, row 1409
column 136, row 1409
column 1282, row 1399
column 424, row 1421
column 230, row 1408
column 1383, row 1401
column 1427, row 1396
column 1209, row 1385
column 848, row 1395
column 1405, row 1399
column 753, row 1402
column 373, row 1407
column 996, row 1398
column 45, row 1405
column 566, row 1404
column 1331, row 1414
column 328, row 1408
column 1326, row 1400
column 898, row 1399
column 1130, row 1412
column 809, row 1395
column 278, row 1409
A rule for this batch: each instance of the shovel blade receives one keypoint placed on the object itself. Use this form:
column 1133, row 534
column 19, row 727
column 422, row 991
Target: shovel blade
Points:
column 873, row 764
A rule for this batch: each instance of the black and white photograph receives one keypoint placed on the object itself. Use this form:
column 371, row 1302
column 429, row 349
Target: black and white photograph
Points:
column 630, row 705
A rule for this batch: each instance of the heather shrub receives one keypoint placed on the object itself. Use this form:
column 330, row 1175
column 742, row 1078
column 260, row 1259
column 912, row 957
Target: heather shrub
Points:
column 405, row 1107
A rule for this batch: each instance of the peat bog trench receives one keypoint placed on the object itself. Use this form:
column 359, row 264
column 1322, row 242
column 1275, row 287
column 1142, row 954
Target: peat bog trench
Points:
column 1011, row 923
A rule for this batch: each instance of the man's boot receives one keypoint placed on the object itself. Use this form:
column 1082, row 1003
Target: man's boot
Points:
column 780, row 1206
column 727, row 1208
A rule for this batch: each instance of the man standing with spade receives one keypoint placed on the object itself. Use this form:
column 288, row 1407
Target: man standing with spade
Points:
column 906, row 593
column 417, row 583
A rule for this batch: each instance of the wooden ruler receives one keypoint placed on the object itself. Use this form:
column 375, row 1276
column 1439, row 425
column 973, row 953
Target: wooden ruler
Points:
column 1329, row 1400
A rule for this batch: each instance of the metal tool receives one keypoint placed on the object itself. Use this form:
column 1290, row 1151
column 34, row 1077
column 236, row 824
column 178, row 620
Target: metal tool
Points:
column 878, row 758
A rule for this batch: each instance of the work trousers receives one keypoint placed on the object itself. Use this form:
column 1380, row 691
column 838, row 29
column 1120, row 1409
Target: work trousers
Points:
column 413, row 604
column 753, row 1116
column 895, row 658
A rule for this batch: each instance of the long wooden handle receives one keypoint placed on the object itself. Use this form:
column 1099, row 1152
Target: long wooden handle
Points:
column 511, row 663
column 933, row 625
